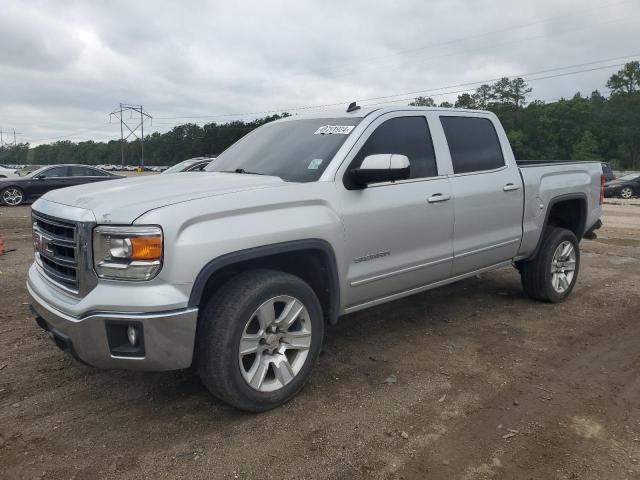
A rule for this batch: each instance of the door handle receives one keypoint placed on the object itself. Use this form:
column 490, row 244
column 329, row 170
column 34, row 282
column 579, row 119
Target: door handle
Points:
column 510, row 187
column 438, row 197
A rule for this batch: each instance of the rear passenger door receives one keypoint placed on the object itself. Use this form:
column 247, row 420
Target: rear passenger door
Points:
column 81, row 174
column 487, row 191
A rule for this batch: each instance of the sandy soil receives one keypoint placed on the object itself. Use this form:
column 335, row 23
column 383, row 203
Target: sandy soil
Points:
column 489, row 385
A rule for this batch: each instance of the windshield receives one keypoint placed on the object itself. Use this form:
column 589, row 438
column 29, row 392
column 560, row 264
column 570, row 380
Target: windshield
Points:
column 629, row 176
column 294, row 150
column 178, row 167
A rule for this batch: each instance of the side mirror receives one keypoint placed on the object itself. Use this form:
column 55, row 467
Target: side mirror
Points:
column 386, row 167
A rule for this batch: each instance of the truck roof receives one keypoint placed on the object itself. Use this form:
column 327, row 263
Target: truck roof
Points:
column 364, row 111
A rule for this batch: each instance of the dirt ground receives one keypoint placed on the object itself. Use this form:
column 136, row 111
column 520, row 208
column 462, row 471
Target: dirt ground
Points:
column 489, row 385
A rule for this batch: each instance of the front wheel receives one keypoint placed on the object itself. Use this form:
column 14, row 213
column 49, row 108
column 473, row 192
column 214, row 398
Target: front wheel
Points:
column 12, row 196
column 551, row 276
column 258, row 339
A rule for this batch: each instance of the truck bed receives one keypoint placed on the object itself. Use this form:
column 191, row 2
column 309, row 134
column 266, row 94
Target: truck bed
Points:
column 547, row 182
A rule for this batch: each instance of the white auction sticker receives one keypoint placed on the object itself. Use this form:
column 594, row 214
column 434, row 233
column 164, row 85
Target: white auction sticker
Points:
column 334, row 129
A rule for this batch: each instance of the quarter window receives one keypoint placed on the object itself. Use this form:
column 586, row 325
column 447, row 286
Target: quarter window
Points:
column 408, row 136
column 473, row 143
column 86, row 172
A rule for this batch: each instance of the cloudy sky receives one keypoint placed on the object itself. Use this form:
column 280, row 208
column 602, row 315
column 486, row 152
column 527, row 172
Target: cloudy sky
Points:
column 64, row 65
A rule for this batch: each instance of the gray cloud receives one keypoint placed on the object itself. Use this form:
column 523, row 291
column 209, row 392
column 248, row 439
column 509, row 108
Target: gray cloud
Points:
column 65, row 65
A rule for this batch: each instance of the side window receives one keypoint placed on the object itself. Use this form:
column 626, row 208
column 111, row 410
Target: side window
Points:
column 55, row 172
column 473, row 143
column 78, row 171
column 408, row 136
column 96, row 172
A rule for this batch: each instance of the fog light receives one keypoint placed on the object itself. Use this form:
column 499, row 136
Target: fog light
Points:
column 132, row 335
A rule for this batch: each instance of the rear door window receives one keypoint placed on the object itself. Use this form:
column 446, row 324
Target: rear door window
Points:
column 473, row 143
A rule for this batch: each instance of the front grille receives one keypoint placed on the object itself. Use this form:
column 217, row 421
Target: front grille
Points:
column 56, row 249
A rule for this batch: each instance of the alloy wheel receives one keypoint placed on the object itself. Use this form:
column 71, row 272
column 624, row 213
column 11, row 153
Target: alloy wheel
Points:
column 12, row 196
column 626, row 193
column 275, row 343
column 563, row 266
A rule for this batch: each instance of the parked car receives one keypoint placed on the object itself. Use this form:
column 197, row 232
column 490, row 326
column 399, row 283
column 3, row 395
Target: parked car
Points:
column 7, row 172
column 626, row 186
column 15, row 191
column 607, row 172
column 197, row 164
column 237, row 271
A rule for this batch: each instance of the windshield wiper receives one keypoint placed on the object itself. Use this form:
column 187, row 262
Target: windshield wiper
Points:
column 242, row 170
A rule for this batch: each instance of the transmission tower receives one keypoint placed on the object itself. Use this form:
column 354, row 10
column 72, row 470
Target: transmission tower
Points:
column 143, row 116
column 2, row 137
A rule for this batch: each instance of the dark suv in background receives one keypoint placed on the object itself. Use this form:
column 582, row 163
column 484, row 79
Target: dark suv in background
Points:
column 607, row 172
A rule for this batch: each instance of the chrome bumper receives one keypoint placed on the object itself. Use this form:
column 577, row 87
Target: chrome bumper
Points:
column 168, row 336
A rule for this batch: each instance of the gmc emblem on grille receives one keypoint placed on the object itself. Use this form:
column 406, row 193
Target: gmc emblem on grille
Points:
column 40, row 243
column 37, row 241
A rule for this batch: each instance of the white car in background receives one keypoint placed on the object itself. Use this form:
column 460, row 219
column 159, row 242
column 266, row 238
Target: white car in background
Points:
column 6, row 172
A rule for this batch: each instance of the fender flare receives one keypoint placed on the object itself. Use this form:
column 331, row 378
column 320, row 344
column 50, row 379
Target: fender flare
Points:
column 552, row 203
column 254, row 253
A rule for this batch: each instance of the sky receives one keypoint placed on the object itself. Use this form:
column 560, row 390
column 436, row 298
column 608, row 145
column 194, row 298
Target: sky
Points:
column 64, row 65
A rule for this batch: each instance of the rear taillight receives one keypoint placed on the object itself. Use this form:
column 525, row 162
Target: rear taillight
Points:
column 601, row 189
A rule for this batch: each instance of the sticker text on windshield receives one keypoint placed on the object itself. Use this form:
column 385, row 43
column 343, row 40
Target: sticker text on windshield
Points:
column 334, row 130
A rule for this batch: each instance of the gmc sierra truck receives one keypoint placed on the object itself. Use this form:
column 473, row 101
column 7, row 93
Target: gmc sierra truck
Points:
column 237, row 270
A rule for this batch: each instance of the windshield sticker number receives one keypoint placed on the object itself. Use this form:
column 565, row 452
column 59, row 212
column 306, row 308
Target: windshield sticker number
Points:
column 334, row 130
column 315, row 164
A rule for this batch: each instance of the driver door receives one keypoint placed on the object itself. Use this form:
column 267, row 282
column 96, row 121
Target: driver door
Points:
column 399, row 235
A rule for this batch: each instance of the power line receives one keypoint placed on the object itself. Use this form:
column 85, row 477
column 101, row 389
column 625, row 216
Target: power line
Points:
column 370, row 60
column 415, row 92
column 527, row 79
column 492, row 46
column 391, row 98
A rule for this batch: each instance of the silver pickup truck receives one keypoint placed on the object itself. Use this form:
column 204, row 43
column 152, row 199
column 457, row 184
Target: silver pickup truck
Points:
column 237, row 270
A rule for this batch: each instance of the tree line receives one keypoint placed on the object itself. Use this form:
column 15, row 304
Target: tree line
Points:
column 584, row 127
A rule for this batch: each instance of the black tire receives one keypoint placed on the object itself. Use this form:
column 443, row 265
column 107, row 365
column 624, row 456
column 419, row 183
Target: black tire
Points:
column 536, row 274
column 2, row 193
column 221, row 325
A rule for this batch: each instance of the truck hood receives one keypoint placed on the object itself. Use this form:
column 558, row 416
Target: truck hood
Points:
column 122, row 201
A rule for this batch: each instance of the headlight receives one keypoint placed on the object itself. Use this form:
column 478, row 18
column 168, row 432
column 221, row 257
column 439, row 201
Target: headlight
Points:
column 127, row 253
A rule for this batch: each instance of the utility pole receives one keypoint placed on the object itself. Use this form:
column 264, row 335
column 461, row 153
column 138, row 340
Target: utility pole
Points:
column 119, row 114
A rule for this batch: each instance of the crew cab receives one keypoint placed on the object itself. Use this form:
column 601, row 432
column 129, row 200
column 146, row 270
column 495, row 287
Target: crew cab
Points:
column 237, row 270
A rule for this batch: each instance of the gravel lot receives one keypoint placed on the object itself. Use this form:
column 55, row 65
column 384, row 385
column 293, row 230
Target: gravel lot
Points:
column 489, row 385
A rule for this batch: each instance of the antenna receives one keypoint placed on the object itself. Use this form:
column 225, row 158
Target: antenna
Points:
column 353, row 107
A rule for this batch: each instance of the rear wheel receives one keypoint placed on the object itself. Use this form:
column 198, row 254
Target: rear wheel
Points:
column 552, row 275
column 626, row 193
column 12, row 196
column 258, row 339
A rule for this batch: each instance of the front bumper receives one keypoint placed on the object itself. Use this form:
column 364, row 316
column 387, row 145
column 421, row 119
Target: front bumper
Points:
column 168, row 336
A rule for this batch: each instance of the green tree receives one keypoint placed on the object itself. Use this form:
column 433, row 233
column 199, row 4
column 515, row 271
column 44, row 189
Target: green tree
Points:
column 587, row 148
column 519, row 90
column 423, row 102
column 483, row 96
column 626, row 80
column 466, row 101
